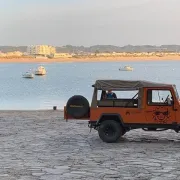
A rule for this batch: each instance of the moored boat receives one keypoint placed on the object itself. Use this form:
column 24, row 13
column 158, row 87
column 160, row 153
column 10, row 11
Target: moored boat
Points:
column 40, row 71
column 126, row 68
column 28, row 75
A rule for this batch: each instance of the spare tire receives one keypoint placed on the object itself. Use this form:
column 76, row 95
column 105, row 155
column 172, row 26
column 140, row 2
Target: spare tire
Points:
column 77, row 106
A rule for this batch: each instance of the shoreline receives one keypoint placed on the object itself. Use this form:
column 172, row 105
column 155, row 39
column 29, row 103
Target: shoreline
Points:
column 31, row 110
column 90, row 59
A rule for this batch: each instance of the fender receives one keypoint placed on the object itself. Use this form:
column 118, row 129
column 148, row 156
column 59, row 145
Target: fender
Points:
column 108, row 116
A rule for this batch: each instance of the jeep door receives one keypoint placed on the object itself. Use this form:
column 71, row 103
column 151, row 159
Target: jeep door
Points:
column 159, row 108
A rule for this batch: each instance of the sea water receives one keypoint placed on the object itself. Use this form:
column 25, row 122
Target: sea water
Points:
column 64, row 80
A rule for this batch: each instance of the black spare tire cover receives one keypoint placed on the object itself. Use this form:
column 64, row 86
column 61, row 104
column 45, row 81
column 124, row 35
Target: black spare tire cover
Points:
column 77, row 106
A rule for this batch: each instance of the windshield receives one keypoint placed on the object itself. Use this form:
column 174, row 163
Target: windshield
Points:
column 176, row 92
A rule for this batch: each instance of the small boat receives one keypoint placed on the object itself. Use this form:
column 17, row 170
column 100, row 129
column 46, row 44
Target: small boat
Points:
column 28, row 75
column 126, row 68
column 40, row 71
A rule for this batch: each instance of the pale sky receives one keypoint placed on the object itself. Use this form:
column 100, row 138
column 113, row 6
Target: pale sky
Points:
column 89, row 22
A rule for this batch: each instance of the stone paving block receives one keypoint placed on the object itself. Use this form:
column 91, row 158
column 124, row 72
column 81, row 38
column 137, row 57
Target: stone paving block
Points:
column 40, row 145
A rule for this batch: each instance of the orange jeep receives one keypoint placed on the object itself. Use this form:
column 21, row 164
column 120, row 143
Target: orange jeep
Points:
column 152, row 107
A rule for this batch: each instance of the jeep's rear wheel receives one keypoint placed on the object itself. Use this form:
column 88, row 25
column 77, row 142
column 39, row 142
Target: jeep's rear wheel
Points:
column 123, row 132
column 110, row 131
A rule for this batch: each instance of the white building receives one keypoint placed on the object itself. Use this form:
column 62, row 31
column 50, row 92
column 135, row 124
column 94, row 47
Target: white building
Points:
column 43, row 50
column 62, row 55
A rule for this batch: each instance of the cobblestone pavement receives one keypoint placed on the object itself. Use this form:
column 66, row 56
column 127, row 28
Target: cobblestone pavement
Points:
column 40, row 145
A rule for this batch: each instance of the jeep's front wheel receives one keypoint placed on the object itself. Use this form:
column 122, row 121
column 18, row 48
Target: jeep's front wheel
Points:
column 110, row 131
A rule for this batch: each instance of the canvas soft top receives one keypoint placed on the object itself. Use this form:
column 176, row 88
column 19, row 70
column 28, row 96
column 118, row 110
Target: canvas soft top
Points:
column 126, row 84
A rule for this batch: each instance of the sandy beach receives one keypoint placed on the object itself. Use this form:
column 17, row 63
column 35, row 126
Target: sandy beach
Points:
column 41, row 145
column 89, row 59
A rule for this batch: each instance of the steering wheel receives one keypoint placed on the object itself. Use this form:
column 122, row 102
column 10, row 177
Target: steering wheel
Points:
column 166, row 99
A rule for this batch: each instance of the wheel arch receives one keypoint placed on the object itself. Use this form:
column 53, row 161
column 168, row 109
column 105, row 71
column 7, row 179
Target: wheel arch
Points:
column 114, row 116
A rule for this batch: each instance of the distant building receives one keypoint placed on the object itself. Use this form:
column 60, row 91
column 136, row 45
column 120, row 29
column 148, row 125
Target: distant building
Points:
column 41, row 50
column 15, row 54
column 62, row 55
column 2, row 54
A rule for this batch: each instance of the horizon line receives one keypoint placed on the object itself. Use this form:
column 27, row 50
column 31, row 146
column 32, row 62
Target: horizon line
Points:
column 91, row 45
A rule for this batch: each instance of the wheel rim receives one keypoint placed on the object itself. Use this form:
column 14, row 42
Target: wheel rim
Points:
column 109, row 131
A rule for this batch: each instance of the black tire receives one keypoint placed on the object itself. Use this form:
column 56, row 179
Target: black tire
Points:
column 110, row 131
column 77, row 106
column 123, row 132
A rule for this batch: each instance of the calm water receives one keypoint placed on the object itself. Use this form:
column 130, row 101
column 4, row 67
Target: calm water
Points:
column 66, row 79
